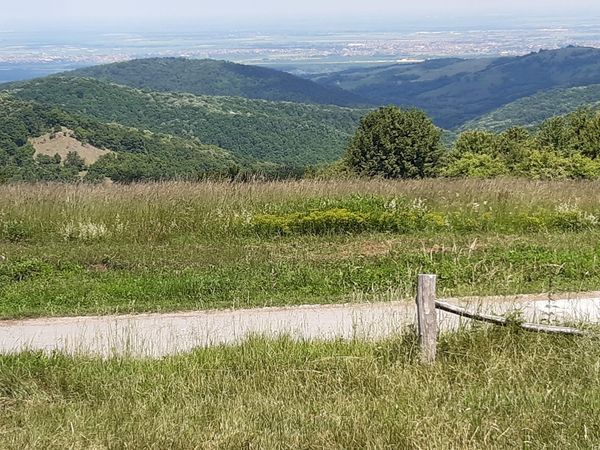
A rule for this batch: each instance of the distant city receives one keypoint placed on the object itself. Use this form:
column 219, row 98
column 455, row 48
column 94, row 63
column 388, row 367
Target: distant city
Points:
column 29, row 54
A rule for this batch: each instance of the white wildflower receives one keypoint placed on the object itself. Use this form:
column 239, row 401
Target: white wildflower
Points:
column 565, row 208
column 419, row 204
column 591, row 219
column 84, row 231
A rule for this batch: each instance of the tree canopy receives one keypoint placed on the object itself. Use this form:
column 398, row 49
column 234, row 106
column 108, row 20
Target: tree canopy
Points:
column 395, row 143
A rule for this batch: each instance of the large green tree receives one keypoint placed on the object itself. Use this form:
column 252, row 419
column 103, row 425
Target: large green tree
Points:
column 395, row 143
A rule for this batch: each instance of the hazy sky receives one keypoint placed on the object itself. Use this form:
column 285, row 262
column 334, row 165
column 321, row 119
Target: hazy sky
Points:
column 90, row 11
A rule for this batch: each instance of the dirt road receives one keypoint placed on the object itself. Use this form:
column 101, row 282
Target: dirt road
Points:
column 155, row 335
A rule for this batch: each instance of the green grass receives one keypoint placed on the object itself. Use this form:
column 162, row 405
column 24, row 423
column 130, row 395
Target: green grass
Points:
column 491, row 388
column 293, row 272
column 68, row 250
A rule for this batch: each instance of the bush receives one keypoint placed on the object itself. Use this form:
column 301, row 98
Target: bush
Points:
column 268, row 224
column 534, row 223
column 375, row 215
column 566, row 218
column 562, row 148
column 331, row 221
column 573, row 220
column 475, row 165
column 476, row 142
column 543, row 165
column 582, row 167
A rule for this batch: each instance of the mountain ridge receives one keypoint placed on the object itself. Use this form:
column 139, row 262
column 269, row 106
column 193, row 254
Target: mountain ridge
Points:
column 134, row 154
column 217, row 78
column 462, row 90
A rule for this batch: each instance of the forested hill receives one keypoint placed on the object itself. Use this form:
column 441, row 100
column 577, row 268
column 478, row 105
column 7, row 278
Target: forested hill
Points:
column 129, row 154
column 210, row 77
column 455, row 91
column 278, row 132
column 533, row 110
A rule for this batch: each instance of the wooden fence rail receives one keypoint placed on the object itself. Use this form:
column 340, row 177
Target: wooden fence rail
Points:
column 427, row 325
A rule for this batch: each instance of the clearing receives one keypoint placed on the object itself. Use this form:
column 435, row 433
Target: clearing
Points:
column 62, row 143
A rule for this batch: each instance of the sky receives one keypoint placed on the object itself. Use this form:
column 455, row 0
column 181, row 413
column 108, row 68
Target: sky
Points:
column 93, row 11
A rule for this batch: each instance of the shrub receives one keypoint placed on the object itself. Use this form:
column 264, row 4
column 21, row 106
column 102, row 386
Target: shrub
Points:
column 316, row 222
column 436, row 221
column 535, row 222
column 361, row 214
column 543, row 165
column 464, row 223
column 475, row 165
column 477, row 142
column 582, row 167
column 573, row 220
column 271, row 224
column 376, row 215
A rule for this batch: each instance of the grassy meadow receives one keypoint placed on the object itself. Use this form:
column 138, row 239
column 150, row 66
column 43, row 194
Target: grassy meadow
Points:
column 84, row 249
column 67, row 250
column 490, row 388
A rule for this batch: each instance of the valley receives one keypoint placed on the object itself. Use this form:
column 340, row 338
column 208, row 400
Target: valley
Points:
column 454, row 91
column 267, row 123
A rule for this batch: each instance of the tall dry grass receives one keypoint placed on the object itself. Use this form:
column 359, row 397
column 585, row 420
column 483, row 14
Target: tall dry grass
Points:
column 443, row 190
column 213, row 207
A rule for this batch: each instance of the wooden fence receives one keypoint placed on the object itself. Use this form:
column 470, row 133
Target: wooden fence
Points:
column 427, row 323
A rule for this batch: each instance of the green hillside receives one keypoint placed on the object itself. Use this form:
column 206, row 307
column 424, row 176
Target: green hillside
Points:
column 371, row 79
column 137, row 155
column 277, row 132
column 532, row 111
column 210, row 77
column 455, row 91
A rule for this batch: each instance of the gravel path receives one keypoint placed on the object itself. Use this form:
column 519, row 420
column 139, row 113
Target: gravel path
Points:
column 155, row 335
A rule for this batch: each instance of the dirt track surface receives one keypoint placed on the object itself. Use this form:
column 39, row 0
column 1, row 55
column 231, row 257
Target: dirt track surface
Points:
column 156, row 335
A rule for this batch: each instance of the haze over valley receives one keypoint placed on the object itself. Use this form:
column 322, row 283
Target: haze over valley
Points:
column 299, row 48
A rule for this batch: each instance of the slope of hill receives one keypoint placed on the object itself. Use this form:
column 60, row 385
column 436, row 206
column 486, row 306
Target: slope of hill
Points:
column 278, row 132
column 533, row 110
column 211, row 77
column 456, row 91
column 134, row 154
column 371, row 79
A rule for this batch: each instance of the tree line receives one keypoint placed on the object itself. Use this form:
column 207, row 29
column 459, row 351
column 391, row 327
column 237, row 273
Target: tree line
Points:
column 389, row 143
column 404, row 143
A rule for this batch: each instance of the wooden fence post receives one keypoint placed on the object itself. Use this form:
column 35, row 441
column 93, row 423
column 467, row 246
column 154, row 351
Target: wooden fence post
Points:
column 427, row 317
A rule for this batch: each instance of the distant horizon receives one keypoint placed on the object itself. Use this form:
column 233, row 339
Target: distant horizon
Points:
column 372, row 22
column 296, row 44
